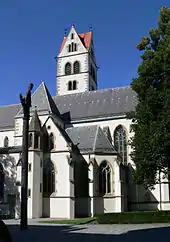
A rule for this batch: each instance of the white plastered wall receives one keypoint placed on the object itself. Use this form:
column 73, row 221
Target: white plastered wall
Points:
column 139, row 196
column 62, row 201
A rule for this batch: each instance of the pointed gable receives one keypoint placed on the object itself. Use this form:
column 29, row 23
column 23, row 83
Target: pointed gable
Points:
column 90, row 139
column 102, row 143
column 106, row 131
column 53, row 108
column 42, row 100
column 35, row 124
column 85, row 39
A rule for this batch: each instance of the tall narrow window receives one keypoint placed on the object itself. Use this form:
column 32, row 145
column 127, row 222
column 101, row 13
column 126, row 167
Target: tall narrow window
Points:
column 29, row 192
column 120, row 142
column 6, row 142
column 2, row 179
column 74, row 85
column 68, row 69
column 70, row 85
column 104, row 178
column 72, row 36
column 51, row 141
column 69, row 48
column 30, row 141
column 72, row 46
column 29, row 167
column 76, row 67
column 36, row 141
column 48, row 178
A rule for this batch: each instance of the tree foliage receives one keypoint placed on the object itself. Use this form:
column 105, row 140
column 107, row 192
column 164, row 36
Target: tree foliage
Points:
column 151, row 119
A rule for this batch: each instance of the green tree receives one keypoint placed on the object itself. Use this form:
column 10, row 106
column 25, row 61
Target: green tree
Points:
column 151, row 119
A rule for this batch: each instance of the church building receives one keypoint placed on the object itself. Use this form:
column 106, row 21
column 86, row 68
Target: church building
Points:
column 79, row 157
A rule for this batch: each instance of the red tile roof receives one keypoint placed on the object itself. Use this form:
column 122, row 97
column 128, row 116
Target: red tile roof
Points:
column 84, row 37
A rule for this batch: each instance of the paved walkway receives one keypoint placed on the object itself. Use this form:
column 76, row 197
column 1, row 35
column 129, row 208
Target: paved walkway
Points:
column 90, row 233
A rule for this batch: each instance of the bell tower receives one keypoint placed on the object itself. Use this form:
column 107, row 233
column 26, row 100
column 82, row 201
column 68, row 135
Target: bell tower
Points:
column 76, row 64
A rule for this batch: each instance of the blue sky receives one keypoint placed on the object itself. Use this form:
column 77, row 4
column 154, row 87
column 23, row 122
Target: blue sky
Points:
column 32, row 32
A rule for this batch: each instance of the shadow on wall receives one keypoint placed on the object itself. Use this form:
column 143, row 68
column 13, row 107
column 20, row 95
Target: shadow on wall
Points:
column 81, row 181
column 83, row 201
column 79, row 233
column 139, row 198
column 49, row 186
column 81, row 189
column 11, row 195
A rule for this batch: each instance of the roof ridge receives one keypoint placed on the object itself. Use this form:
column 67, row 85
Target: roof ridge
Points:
column 45, row 89
column 52, row 106
column 73, row 94
column 95, row 91
column 95, row 139
column 8, row 105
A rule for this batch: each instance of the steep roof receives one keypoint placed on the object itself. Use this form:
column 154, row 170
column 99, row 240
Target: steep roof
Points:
column 94, row 104
column 7, row 114
column 80, row 106
column 42, row 100
column 84, row 37
column 90, row 139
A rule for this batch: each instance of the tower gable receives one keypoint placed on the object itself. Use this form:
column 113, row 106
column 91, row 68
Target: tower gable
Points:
column 75, row 43
column 76, row 65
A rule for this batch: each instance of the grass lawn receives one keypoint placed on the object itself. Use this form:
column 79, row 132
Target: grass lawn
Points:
column 77, row 221
column 119, row 218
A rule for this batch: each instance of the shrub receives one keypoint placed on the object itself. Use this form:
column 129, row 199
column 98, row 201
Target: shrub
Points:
column 134, row 217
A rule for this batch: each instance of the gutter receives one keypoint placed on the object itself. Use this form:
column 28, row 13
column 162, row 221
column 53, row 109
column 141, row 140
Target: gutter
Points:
column 98, row 119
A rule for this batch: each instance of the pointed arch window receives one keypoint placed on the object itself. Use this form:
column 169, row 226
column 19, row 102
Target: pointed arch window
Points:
column 2, row 179
column 104, row 178
column 48, row 178
column 120, row 142
column 6, row 141
column 36, row 140
column 76, row 67
column 68, row 69
column 30, row 141
column 51, row 141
